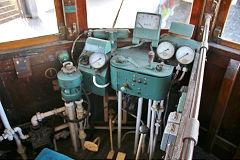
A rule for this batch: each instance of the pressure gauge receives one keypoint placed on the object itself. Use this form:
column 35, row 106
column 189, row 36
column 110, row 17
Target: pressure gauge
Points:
column 148, row 21
column 165, row 50
column 185, row 55
column 97, row 60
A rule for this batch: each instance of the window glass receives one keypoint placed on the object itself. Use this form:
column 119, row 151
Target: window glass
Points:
column 21, row 19
column 231, row 30
column 101, row 13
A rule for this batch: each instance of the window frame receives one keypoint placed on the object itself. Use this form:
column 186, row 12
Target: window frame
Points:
column 194, row 18
column 41, row 39
column 81, row 20
column 220, row 22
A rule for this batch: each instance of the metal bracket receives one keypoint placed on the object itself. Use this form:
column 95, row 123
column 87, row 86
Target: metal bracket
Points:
column 62, row 31
column 22, row 66
column 217, row 33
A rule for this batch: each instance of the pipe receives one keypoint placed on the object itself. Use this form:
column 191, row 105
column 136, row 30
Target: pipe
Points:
column 98, row 85
column 119, row 118
column 157, row 124
column 19, row 131
column 61, row 127
column 189, row 143
column 70, row 108
column 20, row 147
column 154, row 107
column 80, row 112
column 4, row 118
column 139, row 146
column 139, row 114
column 148, row 122
column 183, row 73
column 39, row 116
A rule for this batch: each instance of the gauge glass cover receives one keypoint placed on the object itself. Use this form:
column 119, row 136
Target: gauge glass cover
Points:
column 148, row 21
column 97, row 60
column 165, row 50
column 185, row 55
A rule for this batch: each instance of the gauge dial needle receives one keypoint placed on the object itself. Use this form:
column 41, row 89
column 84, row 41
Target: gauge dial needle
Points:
column 164, row 51
column 140, row 24
column 183, row 56
column 96, row 60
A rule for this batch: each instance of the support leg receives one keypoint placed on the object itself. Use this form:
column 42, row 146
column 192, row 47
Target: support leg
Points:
column 154, row 107
column 148, row 122
column 119, row 118
column 139, row 114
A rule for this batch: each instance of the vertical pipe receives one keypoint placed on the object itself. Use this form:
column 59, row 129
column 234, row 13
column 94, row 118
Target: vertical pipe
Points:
column 72, row 126
column 154, row 107
column 158, row 125
column 139, row 114
column 4, row 118
column 20, row 147
column 119, row 118
column 188, row 144
column 148, row 122
column 139, row 146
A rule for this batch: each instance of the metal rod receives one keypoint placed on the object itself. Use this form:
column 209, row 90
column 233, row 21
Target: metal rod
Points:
column 148, row 122
column 139, row 146
column 188, row 144
column 119, row 118
column 110, row 131
column 139, row 114
column 154, row 107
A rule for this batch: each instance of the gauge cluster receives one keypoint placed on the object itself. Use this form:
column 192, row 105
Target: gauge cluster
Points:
column 184, row 54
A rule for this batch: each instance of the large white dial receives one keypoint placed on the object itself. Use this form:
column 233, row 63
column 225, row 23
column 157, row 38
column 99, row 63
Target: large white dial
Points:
column 149, row 21
column 185, row 55
column 97, row 60
column 165, row 50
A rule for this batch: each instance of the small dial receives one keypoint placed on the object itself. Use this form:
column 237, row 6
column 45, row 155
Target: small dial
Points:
column 97, row 60
column 165, row 50
column 185, row 55
column 148, row 21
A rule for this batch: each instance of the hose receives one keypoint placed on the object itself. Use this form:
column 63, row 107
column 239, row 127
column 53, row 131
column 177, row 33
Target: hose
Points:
column 98, row 85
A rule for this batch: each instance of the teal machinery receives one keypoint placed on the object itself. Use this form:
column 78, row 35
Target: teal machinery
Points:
column 134, row 72
column 69, row 79
column 94, row 59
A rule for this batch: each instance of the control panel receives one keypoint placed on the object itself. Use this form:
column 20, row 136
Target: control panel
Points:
column 130, row 73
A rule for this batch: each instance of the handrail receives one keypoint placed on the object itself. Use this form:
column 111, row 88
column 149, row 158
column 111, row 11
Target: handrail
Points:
column 190, row 142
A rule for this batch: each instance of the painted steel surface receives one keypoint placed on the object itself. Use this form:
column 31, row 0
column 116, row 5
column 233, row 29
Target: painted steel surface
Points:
column 135, row 76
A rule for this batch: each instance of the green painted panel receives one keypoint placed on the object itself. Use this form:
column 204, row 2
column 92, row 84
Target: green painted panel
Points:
column 182, row 29
column 97, row 45
column 69, row 9
column 181, row 102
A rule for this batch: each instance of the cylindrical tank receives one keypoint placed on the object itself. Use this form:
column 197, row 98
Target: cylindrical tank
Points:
column 70, row 79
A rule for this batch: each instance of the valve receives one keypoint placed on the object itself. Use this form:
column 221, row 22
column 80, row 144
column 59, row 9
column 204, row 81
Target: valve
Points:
column 123, row 88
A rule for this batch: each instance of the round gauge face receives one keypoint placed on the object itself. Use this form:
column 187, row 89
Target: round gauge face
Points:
column 149, row 21
column 165, row 50
column 185, row 55
column 97, row 60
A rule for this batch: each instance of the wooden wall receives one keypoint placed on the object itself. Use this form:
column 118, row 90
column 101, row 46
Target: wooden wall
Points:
column 220, row 104
column 23, row 96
